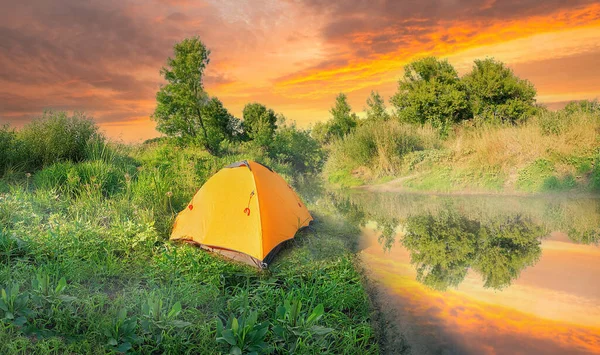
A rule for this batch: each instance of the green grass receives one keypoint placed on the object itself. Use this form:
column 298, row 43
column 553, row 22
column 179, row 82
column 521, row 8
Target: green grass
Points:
column 103, row 226
column 448, row 179
column 344, row 178
column 551, row 152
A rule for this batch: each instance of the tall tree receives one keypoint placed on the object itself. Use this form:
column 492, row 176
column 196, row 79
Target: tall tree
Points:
column 431, row 91
column 376, row 108
column 180, row 102
column 496, row 94
column 343, row 121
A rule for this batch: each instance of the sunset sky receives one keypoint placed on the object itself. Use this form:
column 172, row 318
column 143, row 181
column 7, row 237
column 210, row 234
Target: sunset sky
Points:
column 537, row 314
column 103, row 56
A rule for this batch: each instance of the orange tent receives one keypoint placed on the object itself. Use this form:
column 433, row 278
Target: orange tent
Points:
column 244, row 211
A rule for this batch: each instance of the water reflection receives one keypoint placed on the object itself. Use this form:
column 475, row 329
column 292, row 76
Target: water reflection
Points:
column 445, row 246
column 481, row 275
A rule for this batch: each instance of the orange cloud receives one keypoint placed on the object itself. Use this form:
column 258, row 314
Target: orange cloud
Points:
column 293, row 56
column 444, row 38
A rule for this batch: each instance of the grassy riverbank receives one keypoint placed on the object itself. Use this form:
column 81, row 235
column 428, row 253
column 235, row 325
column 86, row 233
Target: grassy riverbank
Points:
column 554, row 151
column 86, row 265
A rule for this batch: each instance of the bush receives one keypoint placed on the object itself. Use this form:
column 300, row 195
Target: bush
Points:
column 297, row 148
column 497, row 95
column 12, row 153
column 431, row 92
column 380, row 147
column 552, row 123
column 595, row 175
column 583, row 106
column 95, row 175
column 55, row 137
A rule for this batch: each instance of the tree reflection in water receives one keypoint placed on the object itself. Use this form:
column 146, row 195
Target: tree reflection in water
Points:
column 445, row 246
column 497, row 238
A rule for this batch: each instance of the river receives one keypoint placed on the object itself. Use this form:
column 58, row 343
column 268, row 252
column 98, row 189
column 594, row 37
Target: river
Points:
column 482, row 274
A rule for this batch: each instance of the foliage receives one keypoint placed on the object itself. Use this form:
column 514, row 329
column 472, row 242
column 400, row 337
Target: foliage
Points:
column 14, row 305
column 183, row 108
column 379, row 147
column 297, row 148
column 343, row 121
column 445, row 246
column 431, row 92
column 259, row 123
column 56, row 137
column 497, row 95
column 295, row 327
column 376, row 108
column 12, row 154
column 122, row 332
column 243, row 335
column 155, row 316
column 220, row 125
column 583, row 106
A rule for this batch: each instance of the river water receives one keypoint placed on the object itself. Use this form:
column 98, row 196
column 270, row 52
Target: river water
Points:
column 482, row 275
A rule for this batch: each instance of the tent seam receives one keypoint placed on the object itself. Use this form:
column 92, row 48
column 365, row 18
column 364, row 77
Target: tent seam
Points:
column 259, row 214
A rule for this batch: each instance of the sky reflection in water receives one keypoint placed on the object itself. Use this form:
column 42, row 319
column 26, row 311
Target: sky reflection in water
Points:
column 472, row 274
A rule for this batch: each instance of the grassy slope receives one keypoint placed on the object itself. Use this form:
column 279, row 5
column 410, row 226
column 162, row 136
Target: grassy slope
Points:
column 529, row 158
column 103, row 226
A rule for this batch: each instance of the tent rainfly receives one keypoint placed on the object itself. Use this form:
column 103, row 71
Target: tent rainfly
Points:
column 245, row 211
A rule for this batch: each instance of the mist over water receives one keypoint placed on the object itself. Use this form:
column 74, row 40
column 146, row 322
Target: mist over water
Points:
column 483, row 274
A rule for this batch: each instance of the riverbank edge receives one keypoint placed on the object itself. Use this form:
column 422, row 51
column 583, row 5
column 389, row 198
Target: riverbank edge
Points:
column 395, row 185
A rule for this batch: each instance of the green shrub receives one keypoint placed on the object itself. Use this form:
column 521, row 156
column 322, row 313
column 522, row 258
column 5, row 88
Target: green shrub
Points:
column 54, row 176
column 55, row 137
column 431, row 92
column 552, row 123
column 595, row 175
column 554, row 183
column 95, row 175
column 583, row 106
column 297, row 148
column 378, row 147
column 12, row 152
column 497, row 95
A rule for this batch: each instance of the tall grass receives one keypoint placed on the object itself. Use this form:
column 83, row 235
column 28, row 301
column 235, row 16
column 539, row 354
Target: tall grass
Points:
column 379, row 148
column 489, row 157
column 85, row 256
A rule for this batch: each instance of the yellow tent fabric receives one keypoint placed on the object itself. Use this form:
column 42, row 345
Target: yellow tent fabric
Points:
column 245, row 207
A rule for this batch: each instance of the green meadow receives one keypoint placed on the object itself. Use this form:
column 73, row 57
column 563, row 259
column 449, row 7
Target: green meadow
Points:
column 86, row 265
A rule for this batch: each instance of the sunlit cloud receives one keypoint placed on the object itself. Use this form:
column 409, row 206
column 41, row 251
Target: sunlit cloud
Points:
column 104, row 57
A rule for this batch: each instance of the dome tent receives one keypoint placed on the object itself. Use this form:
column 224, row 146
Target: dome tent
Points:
column 245, row 211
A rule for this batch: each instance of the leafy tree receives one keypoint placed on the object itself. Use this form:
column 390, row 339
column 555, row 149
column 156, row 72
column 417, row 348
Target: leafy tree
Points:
column 219, row 123
column 320, row 132
column 431, row 92
column 259, row 123
column 296, row 147
column 496, row 94
column 181, row 102
column 376, row 108
column 343, row 121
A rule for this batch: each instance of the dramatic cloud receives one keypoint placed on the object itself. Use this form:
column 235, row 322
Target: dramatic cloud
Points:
column 104, row 56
